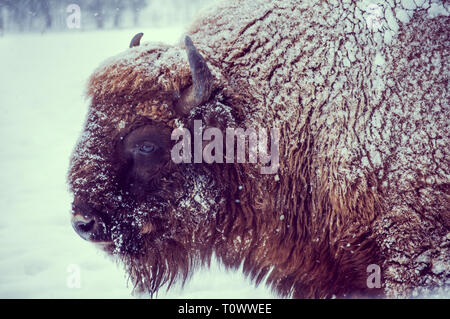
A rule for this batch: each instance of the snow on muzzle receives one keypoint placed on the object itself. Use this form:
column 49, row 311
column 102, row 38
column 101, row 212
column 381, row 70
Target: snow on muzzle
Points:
column 88, row 224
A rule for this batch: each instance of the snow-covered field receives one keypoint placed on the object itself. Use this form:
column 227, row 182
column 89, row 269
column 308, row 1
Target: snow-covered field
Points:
column 42, row 109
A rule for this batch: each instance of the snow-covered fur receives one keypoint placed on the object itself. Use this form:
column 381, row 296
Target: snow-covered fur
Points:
column 364, row 149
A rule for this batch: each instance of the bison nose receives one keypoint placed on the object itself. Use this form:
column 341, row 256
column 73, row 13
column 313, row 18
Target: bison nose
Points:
column 84, row 226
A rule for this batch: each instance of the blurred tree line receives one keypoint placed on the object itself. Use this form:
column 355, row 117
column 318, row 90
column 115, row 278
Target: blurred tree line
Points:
column 43, row 15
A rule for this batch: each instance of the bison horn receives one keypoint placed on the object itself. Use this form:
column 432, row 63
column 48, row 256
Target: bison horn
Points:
column 136, row 41
column 202, row 81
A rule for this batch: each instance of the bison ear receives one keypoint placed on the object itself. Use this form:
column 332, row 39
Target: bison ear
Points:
column 202, row 81
column 136, row 41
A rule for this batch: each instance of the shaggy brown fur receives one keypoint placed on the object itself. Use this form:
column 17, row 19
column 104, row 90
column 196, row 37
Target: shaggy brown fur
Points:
column 364, row 169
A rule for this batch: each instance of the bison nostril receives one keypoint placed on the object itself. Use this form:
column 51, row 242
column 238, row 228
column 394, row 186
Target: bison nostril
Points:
column 84, row 226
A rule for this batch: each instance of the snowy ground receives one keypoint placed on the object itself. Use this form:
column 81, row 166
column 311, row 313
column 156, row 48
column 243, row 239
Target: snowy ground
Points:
column 42, row 109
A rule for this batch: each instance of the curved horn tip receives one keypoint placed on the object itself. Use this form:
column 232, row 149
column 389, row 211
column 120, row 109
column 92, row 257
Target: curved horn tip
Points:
column 136, row 40
column 188, row 42
column 202, row 80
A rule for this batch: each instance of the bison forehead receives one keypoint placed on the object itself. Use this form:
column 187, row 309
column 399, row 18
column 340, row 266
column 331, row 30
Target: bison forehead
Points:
column 152, row 67
column 142, row 82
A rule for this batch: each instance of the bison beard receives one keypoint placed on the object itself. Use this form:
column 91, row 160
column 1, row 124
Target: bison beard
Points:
column 364, row 172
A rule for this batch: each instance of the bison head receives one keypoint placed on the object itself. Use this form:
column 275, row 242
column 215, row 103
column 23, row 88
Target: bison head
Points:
column 158, row 217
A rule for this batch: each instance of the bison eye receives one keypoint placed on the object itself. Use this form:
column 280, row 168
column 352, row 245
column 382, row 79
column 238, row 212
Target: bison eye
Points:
column 146, row 148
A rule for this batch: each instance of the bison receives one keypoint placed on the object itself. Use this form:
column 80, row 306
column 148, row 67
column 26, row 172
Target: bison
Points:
column 358, row 205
